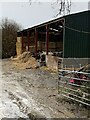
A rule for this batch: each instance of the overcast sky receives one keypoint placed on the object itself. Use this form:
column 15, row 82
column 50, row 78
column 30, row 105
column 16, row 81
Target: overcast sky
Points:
column 37, row 13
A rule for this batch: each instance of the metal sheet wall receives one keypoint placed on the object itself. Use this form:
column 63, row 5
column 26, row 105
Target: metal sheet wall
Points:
column 77, row 35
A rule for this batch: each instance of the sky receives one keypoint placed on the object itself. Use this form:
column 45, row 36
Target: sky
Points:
column 38, row 12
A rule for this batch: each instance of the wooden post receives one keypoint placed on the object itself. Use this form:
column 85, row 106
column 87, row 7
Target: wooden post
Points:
column 22, row 42
column 28, row 38
column 36, row 40
column 47, row 39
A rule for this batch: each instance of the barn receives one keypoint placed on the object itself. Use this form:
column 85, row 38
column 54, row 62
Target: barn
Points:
column 66, row 38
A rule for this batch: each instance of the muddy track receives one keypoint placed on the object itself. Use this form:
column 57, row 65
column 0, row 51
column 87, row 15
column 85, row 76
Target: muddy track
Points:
column 31, row 93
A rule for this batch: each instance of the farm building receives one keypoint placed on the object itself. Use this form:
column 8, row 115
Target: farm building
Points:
column 65, row 37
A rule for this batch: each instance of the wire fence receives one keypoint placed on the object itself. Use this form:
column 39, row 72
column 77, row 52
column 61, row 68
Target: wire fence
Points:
column 74, row 85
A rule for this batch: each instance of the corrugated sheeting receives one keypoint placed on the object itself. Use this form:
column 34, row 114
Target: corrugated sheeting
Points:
column 77, row 36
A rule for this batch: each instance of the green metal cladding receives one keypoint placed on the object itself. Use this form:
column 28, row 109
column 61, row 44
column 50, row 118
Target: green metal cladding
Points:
column 77, row 35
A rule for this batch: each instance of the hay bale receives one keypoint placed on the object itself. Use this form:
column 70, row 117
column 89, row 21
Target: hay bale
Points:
column 18, row 46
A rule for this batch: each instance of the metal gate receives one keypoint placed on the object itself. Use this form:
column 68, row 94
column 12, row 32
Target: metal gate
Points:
column 74, row 85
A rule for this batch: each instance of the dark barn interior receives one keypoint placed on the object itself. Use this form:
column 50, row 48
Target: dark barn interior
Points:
column 45, row 37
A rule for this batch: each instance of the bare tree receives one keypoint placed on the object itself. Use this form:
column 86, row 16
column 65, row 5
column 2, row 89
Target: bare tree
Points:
column 9, row 34
column 63, row 6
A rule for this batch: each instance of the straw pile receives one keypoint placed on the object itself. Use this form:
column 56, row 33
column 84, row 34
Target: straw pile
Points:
column 24, row 61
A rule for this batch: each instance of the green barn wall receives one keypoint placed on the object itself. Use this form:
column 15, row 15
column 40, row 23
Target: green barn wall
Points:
column 77, row 43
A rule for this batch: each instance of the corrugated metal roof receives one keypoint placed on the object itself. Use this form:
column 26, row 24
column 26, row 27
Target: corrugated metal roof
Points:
column 50, row 22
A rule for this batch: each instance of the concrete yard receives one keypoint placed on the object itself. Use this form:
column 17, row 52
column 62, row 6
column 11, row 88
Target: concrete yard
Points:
column 31, row 91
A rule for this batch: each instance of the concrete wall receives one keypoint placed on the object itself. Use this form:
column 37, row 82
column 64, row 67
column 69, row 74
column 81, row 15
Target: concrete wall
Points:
column 75, row 62
column 56, row 63
column 52, row 62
